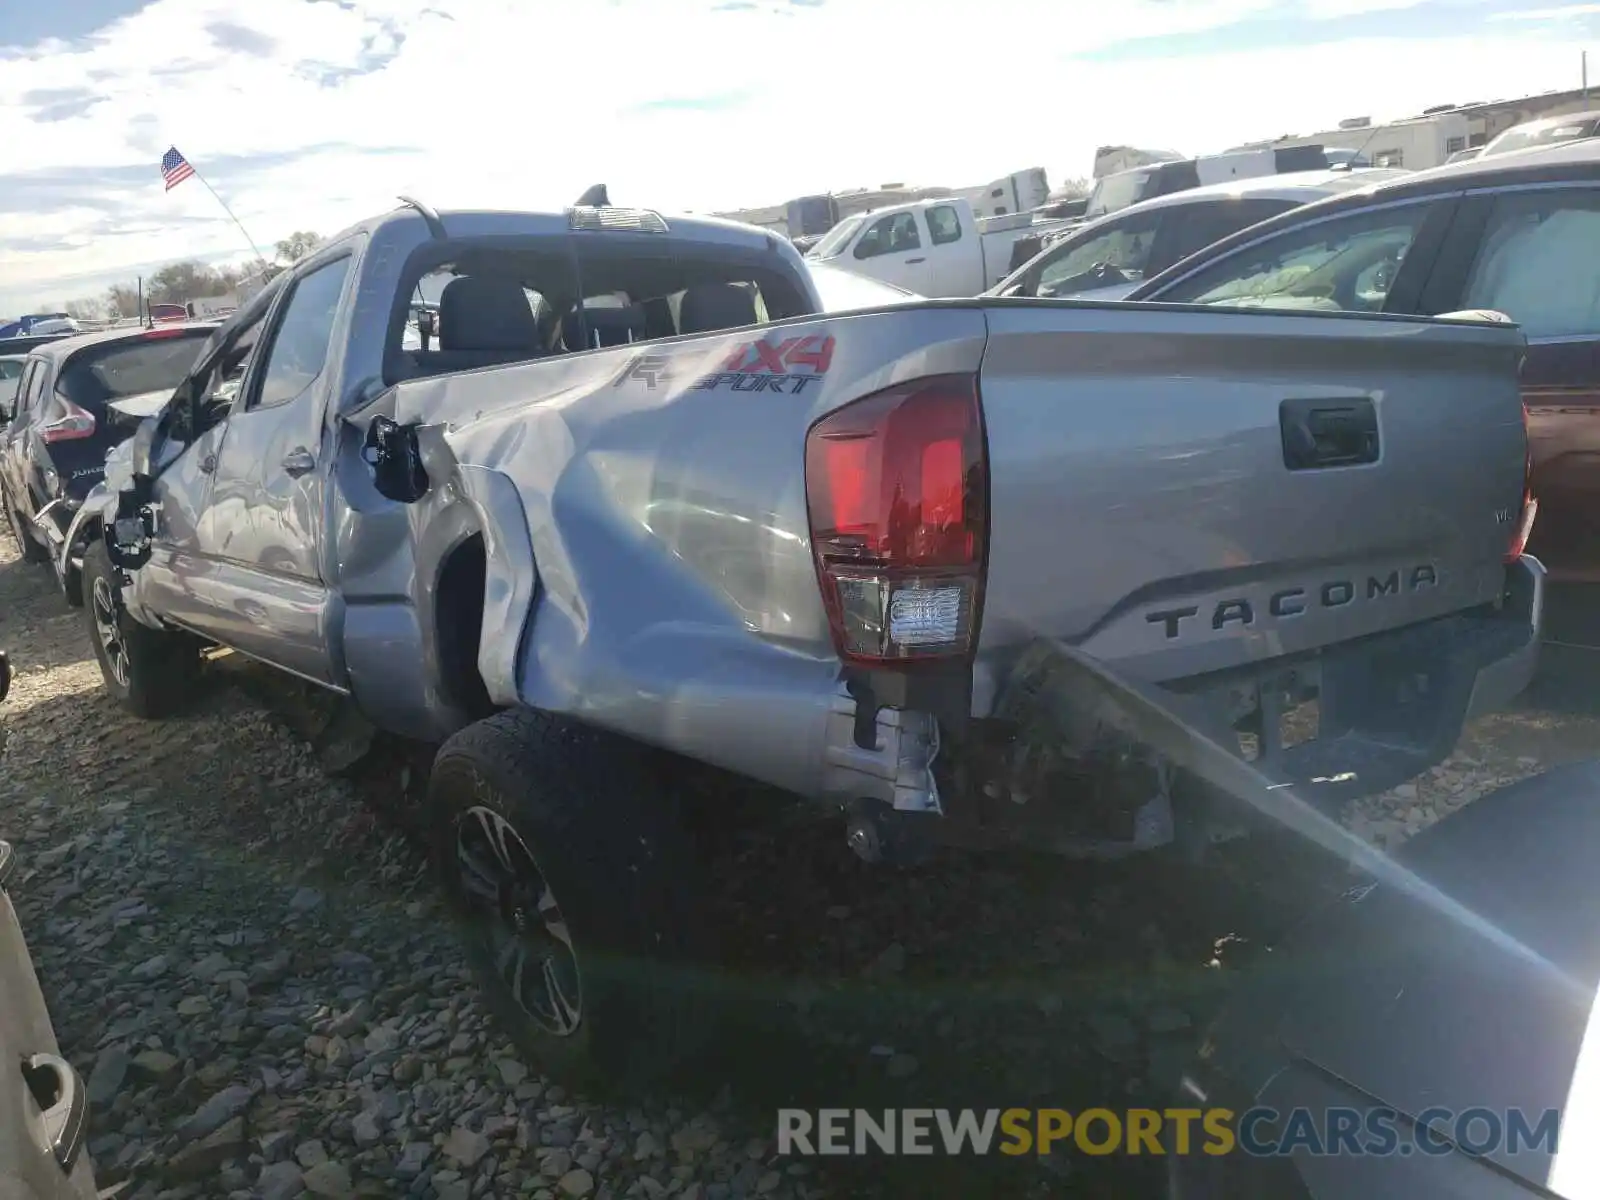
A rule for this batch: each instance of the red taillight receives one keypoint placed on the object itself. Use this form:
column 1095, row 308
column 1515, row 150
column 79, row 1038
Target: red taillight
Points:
column 69, row 423
column 896, row 491
column 1530, row 506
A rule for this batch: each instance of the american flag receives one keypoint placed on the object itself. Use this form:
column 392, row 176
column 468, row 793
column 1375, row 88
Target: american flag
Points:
column 175, row 168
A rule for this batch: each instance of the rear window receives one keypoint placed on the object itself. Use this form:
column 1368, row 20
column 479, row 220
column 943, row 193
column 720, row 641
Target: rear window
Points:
column 118, row 369
column 1116, row 192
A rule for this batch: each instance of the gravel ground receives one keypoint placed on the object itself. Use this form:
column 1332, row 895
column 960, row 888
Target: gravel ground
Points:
column 254, row 973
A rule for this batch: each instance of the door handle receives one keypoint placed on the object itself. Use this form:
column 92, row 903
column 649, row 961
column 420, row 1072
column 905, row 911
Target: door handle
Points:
column 298, row 461
column 63, row 1105
column 208, row 464
column 1318, row 434
column 913, row 261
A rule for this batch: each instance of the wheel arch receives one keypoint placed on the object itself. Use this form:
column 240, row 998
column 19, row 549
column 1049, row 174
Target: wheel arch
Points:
column 86, row 525
column 476, row 594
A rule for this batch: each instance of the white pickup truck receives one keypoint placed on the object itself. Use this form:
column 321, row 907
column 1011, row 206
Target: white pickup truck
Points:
column 931, row 247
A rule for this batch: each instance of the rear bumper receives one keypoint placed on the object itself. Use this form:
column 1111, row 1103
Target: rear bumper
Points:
column 1392, row 706
column 1504, row 678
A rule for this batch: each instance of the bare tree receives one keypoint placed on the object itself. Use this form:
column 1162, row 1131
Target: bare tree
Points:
column 1075, row 187
column 256, row 269
column 122, row 300
column 85, row 310
column 186, row 280
column 297, row 245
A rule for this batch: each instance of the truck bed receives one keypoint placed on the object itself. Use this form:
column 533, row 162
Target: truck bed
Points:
column 1179, row 492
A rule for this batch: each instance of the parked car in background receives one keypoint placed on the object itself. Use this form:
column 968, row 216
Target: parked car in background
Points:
column 166, row 313
column 10, row 376
column 1123, row 189
column 930, row 247
column 1572, row 127
column 20, row 346
column 76, row 399
column 27, row 324
column 44, row 1109
column 1107, row 259
column 1512, row 233
column 61, row 325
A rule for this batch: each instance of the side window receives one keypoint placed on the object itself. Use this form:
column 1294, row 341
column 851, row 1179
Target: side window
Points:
column 32, row 390
column 1102, row 259
column 944, row 225
column 893, row 234
column 1539, row 263
column 217, row 392
column 23, row 386
column 298, row 350
column 1345, row 263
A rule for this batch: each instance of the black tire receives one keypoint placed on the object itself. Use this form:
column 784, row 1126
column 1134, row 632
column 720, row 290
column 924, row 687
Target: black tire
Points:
column 590, row 836
column 32, row 550
column 150, row 672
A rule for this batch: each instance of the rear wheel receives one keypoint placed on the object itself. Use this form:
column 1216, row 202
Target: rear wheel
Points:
column 575, row 884
column 150, row 672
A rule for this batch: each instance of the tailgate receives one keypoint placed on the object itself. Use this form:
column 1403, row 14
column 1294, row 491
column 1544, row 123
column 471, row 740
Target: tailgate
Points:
column 1183, row 490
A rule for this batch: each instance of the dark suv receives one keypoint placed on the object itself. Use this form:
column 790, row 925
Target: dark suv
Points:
column 78, row 398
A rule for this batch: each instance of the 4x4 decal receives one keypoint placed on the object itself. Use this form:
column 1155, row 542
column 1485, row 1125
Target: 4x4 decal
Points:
column 788, row 366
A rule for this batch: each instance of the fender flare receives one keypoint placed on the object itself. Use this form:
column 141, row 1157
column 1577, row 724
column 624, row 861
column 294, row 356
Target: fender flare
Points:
column 511, row 577
column 479, row 502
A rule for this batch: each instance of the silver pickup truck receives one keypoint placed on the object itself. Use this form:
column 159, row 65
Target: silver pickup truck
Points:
column 646, row 508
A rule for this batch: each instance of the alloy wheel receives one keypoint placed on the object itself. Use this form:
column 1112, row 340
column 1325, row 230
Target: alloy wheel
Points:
column 108, row 627
column 527, row 934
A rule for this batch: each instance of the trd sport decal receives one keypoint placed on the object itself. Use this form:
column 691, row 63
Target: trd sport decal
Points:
column 787, row 367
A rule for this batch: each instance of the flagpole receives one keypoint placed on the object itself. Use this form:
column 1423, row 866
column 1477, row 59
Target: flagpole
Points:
column 262, row 257
column 180, row 160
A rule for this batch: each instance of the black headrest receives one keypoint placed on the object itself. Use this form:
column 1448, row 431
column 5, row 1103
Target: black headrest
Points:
column 712, row 306
column 615, row 326
column 486, row 312
column 658, row 322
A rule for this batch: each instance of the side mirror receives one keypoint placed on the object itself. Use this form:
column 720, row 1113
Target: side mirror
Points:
column 391, row 450
column 428, row 323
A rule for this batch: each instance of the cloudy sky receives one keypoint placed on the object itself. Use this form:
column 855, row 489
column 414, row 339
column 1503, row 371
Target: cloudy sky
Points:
column 315, row 113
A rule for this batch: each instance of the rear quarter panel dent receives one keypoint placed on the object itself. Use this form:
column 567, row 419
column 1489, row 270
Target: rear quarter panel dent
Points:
column 676, row 599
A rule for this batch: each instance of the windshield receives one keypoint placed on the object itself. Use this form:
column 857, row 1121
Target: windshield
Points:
column 1116, row 192
column 1540, row 134
column 842, row 291
column 836, row 239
